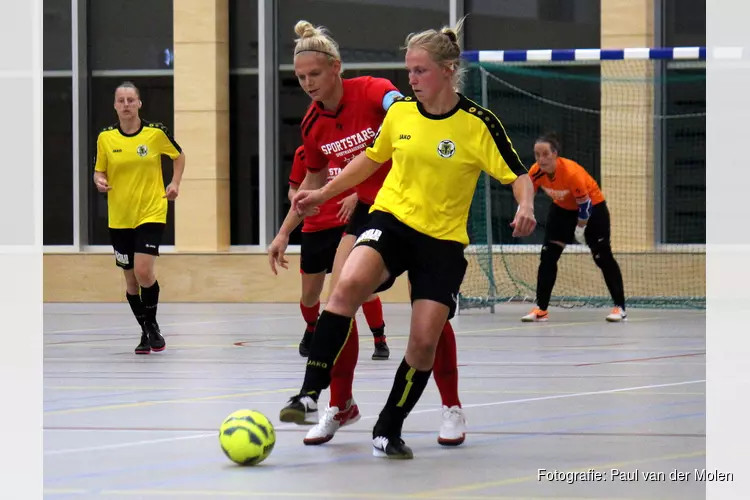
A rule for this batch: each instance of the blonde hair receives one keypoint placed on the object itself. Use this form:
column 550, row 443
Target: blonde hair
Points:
column 443, row 46
column 315, row 39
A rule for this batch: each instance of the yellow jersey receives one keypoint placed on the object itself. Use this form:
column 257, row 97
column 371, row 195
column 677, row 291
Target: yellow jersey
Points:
column 132, row 163
column 436, row 162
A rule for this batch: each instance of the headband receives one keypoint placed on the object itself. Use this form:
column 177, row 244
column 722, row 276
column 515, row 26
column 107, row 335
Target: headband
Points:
column 315, row 50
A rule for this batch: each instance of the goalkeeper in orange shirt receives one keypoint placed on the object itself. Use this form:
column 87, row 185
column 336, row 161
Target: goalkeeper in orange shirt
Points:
column 578, row 213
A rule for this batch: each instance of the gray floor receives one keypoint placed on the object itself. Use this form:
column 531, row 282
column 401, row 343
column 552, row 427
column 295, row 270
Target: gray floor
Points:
column 571, row 395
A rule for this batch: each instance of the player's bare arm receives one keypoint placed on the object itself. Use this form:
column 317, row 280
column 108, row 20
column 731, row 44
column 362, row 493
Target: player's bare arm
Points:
column 101, row 183
column 173, row 189
column 291, row 221
column 355, row 173
column 524, row 222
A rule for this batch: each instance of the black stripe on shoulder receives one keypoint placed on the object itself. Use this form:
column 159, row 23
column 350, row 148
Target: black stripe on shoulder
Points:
column 109, row 128
column 164, row 129
column 537, row 175
column 309, row 122
column 312, row 110
column 497, row 131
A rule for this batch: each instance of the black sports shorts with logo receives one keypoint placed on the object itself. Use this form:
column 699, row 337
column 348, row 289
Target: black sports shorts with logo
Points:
column 435, row 268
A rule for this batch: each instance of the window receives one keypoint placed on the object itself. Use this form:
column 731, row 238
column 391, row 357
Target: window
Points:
column 684, row 148
column 684, row 23
column 685, row 157
column 244, row 196
column 366, row 30
column 57, row 37
column 243, row 33
column 58, row 161
column 540, row 24
column 57, row 142
column 130, row 34
column 243, row 159
column 157, row 94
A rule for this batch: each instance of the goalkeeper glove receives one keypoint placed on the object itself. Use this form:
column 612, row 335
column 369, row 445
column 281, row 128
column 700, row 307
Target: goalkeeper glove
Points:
column 580, row 234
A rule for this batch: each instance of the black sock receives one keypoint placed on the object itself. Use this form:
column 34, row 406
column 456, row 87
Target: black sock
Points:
column 329, row 338
column 547, row 274
column 408, row 386
column 137, row 307
column 378, row 332
column 150, row 298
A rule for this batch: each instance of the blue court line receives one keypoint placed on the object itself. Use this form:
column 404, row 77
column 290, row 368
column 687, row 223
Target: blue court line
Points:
column 203, row 462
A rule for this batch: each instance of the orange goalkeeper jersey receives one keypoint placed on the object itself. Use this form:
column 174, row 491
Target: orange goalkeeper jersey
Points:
column 570, row 184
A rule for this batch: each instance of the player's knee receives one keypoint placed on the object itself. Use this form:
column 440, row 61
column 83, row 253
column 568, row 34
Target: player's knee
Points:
column 602, row 254
column 551, row 253
column 144, row 273
column 350, row 292
column 421, row 350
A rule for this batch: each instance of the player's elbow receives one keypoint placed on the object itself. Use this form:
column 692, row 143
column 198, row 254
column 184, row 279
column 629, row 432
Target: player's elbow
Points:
column 291, row 193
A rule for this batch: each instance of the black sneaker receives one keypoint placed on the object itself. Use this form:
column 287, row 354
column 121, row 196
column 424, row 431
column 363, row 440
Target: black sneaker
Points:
column 145, row 346
column 301, row 409
column 154, row 336
column 391, row 448
column 381, row 349
column 304, row 345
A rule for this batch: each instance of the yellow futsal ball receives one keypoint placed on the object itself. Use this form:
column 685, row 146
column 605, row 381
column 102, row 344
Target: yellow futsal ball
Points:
column 247, row 437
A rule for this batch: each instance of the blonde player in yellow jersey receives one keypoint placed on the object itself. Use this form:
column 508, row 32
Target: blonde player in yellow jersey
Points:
column 439, row 142
column 128, row 168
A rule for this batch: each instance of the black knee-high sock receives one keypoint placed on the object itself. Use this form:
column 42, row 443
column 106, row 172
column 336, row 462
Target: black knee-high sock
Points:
column 547, row 274
column 408, row 386
column 612, row 275
column 137, row 307
column 150, row 298
column 329, row 338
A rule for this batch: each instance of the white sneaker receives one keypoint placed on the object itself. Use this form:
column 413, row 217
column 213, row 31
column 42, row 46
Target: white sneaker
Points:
column 617, row 314
column 535, row 315
column 331, row 421
column 453, row 430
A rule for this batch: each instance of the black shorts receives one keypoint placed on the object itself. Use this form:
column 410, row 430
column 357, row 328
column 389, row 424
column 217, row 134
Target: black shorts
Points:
column 145, row 238
column 319, row 250
column 359, row 219
column 561, row 225
column 435, row 267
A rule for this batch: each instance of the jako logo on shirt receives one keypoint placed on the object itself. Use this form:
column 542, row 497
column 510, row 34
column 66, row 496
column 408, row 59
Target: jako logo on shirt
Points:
column 370, row 235
column 349, row 144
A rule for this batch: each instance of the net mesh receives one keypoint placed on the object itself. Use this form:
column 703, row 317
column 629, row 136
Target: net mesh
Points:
column 639, row 129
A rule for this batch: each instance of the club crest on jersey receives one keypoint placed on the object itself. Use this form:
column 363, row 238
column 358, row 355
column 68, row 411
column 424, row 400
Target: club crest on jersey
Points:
column 142, row 150
column 446, row 148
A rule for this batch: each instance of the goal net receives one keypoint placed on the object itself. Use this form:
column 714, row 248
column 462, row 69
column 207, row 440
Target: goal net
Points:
column 635, row 119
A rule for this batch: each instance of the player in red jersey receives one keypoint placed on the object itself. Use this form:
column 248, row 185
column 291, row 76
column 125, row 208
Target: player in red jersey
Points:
column 321, row 234
column 342, row 120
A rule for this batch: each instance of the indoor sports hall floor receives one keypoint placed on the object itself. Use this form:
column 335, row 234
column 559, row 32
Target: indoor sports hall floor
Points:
column 573, row 394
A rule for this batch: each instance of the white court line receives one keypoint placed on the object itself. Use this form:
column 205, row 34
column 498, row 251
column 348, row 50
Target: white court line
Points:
column 127, row 445
column 579, row 394
column 370, row 417
column 130, row 327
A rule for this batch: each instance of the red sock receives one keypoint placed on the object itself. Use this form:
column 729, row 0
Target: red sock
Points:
column 374, row 314
column 445, row 369
column 310, row 314
column 342, row 373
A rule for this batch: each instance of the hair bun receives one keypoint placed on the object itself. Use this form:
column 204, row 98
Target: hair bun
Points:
column 305, row 29
column 450, row 34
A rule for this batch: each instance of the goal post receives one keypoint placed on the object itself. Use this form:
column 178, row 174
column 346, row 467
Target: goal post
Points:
column 635, row 119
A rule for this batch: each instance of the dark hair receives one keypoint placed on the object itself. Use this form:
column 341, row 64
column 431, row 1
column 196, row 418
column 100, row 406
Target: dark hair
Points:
column 129, row 85
column 551, row 139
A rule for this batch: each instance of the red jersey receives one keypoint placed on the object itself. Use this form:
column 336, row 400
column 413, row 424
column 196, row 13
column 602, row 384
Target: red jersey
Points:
column 327, row 218
column 335, row 137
